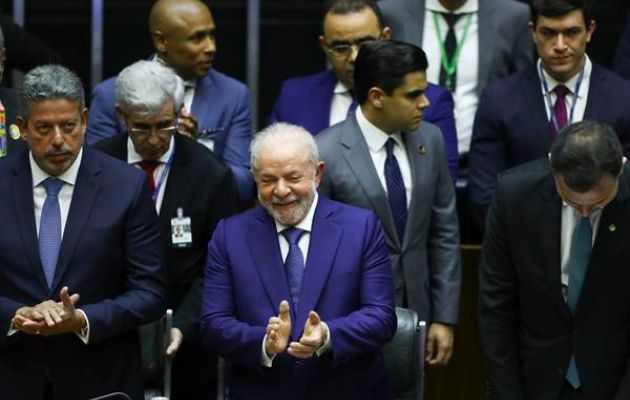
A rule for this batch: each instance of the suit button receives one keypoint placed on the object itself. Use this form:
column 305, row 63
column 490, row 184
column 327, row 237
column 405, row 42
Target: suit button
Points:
column 399, row 289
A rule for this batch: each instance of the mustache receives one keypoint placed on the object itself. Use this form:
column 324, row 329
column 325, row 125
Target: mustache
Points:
column 283, row 201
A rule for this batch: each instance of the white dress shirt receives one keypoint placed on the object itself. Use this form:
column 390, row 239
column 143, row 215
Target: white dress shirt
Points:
column 376, row 139
column 571, row 84
column 305, row 240
column 341, row 102
column 465, row 96
column 569, row 220
column 69, row 177
column 133, row 158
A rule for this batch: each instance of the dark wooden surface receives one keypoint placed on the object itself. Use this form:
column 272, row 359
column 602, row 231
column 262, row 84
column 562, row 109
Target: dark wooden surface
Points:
column 463, row 378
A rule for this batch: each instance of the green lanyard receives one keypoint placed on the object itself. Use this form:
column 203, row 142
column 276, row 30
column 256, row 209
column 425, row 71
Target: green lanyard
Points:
column 450, row 66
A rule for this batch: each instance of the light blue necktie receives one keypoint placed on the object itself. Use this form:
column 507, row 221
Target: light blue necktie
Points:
column 396, row 192
column 50, row 229
column 294, row 263
column 581, row 246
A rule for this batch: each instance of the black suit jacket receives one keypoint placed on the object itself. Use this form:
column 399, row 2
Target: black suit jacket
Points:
column 511, row 127
column 203, row 187
column 528, row 332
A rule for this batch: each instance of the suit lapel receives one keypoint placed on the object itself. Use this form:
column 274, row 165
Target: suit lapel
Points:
column 418, row 166
column 325, row 237
column 262, row 239
column 23, row 205
column 487, row 38
column 596, row 102
column 357, row 155
column 202, row 102
column 83, row 197
column 548, row 230
column 175, row 184
column 612, row 227
column 535, row 101
column 322, row 101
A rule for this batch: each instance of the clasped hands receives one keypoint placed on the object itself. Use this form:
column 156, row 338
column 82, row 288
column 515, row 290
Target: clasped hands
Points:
column 279, row 330
column 50, row 317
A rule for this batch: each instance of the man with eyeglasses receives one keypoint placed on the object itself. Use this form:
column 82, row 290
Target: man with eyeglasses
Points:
column 554, row 300
column 318, row 101
column 192, row 190
column 216, row 108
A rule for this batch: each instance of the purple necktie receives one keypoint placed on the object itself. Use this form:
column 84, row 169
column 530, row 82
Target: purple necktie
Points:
column 50, row 229
column 294, row 263
column 560, row 107
column 396, row 192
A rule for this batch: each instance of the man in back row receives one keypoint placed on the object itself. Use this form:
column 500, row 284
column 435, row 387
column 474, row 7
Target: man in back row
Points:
column 318, row 101
column 216, row 107
column 519, row 117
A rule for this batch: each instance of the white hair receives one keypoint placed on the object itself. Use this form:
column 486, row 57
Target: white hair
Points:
column 282, row 132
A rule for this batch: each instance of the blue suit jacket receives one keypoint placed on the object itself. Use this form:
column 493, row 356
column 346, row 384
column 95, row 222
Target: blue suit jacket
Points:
column 111, row 254
column 347, row 280
column 306, row 101
column 221, row 106
column 511, row 127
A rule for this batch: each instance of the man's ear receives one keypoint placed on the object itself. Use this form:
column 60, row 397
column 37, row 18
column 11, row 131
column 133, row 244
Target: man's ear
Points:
column 375, row 97
column 21, row 123
column 159, row 41
column 120, row 113
column 386, row 33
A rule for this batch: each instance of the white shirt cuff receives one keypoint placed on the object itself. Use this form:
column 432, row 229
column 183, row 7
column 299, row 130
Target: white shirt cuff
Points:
column 84, row 333
column 265, row 360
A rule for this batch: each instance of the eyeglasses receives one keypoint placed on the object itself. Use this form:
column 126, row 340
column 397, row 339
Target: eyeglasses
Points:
column 145, row 132
column 344, row 50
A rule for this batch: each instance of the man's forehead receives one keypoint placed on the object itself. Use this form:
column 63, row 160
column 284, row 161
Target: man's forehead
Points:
column 353, row 23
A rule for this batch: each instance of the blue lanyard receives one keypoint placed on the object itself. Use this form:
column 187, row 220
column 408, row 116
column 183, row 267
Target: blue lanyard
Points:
column 167, row 167
column 545, row 88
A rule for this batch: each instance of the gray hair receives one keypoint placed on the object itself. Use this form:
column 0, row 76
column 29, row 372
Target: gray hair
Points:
column 279, row 133
column 50, row 82
column 145, row 86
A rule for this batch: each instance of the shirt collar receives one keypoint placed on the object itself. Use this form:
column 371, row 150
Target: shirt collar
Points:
column 340, row 88
column 307, row 223
column 572, row 82
column 69, row 176
column 593, row 216
column 133, row 157
column 471, row 6
column 375, row 137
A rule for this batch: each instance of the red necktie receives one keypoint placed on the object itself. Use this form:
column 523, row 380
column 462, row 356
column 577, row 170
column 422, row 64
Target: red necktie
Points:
column 149, row 168
column 560, row 107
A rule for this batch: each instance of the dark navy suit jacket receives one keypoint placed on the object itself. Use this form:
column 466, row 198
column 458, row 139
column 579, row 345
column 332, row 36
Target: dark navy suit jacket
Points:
column 221, row 106
column 306, row 101
column 622, row 58
column 347, row 281
column 511, row 127
column 111, row 255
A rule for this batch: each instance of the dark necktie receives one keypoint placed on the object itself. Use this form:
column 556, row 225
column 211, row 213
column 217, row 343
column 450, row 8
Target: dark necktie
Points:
column 560, row 107
column 352, row 108
column 50, row 229
column 581, row 246
column 396, row 193
column 294, row 263
column 149, row 168
column 450, row 45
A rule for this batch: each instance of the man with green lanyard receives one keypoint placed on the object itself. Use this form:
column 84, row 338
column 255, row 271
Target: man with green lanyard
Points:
column 468, row 44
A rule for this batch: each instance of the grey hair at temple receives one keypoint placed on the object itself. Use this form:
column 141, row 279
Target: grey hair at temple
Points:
column 145, row 86
column 50, row 82
column 279, row 133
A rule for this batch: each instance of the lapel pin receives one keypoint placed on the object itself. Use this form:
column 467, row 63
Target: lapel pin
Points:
column 14, row 132
column 612, row 227
column 422, row 149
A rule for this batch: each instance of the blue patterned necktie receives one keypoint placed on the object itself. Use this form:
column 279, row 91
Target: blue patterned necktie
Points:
column 50, row 229
column 396, row 193
column 581, row 246
column 294, row 263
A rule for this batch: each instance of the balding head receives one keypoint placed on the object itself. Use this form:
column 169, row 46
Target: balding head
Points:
column 183, row 36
